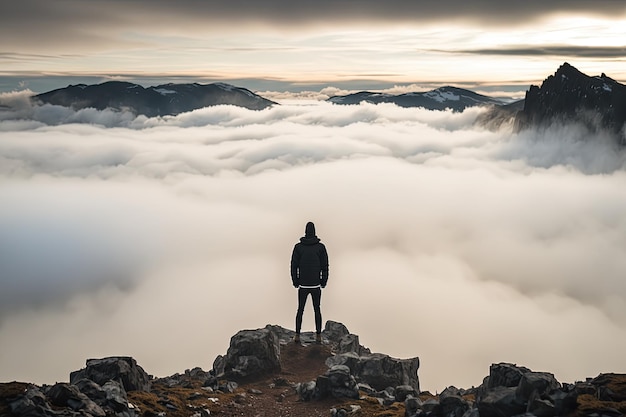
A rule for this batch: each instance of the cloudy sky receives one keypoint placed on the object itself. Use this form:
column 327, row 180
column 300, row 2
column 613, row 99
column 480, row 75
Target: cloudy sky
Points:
column 160, row 238
column 285, row 45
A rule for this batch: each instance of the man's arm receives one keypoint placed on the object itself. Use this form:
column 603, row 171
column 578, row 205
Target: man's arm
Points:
column 295, row 261
column 324, row 265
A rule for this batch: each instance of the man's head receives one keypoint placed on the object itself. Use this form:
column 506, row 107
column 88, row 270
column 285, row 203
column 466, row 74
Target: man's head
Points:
column 309, row 230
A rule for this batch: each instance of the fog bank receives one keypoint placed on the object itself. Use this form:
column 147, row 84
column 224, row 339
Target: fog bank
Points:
column 160, row 238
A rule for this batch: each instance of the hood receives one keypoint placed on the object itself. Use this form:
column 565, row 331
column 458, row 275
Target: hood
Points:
column 309, row 240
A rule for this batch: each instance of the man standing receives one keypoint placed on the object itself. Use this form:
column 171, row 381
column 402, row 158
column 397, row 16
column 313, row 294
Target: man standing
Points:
column 309, row 273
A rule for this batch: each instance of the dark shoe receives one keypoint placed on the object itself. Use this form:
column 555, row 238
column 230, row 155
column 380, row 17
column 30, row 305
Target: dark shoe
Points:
column 296, row 338
column 318, row 338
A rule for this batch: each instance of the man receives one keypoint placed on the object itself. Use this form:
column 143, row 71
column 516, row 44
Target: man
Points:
column 309, row 273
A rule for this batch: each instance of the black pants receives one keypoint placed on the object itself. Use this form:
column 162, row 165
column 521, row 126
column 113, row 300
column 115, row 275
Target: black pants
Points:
column 316, row 296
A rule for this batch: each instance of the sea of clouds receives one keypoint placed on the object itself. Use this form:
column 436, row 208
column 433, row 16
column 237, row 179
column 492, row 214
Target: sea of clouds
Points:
column 159, row 238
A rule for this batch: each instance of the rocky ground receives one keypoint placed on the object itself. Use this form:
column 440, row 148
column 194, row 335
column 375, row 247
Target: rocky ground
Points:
column 265, row 373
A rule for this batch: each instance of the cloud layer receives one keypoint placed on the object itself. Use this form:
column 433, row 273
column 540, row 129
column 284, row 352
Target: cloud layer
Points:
column 160, row 238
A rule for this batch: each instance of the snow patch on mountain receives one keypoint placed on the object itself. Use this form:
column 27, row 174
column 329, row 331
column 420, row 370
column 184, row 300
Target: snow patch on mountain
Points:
column 164, row 91
column 442, row 96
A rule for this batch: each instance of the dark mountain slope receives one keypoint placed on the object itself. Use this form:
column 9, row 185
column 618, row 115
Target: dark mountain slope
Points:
column 571, row 96
column 167, row 99
column 441, row 98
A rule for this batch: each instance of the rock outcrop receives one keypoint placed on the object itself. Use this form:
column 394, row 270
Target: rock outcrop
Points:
column 122, row 369
column 357, row 381
column 251, row 353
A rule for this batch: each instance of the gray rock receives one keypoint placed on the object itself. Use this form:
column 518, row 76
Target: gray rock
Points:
column 472, row 412
column 540, row 382
column 500, row 402
column 382, row 371
column 66, row 395
column 32, row 404
column 339, row 376
column 349, row 343
column 505, row 375
column 429, row 405
column 412, row 406
column 585, row 388
column 228, row 387
column 366, row 388
column 307, row 390
column 334, row 331
column 218, row 365
column 92, row 390
column 251, row 352
column 118, row 368
column 564, row 402
column 541, row 408
column 451, row 390
column 451, row 406
column 341, row 383
column 378, row 370
column 116, row 396
column 403, row 391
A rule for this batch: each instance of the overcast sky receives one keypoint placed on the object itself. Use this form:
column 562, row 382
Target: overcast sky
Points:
column 160, row 238
column 278, row 45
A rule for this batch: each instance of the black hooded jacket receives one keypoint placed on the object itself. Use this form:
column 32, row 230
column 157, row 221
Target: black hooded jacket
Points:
column 309, row 261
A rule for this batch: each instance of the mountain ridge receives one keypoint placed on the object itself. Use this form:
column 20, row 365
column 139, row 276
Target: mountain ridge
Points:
column 442, row 98
column 160, row 100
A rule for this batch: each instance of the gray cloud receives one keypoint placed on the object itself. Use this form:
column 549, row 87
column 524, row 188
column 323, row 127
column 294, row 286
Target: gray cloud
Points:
column 551, row 50
column 125, row 230
column 74, row 24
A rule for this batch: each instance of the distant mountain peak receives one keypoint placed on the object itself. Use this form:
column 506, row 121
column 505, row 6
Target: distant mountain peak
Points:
column 446, row 97
column 165, row 99
column 597, row 102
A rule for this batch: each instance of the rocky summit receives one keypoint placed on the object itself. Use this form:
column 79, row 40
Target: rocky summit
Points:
column 599, row 102
column 569, row 97
column 264, row 373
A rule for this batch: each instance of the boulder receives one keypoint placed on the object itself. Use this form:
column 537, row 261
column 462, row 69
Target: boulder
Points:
column 32, row 403
column 117, row 368
column 451, row 406
column 116, row 396
column 342, row 383
column 334, row 331
column 412, row 406
column 341, row 340
column 307, row 390
column 92, row 390
column 564, row 401
column 501, row 401
column 403, row 391
column 505, row 375
column 251, row 353
column 541, row 408
column 540, row 382
column 378, row 370
column 67, row 395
